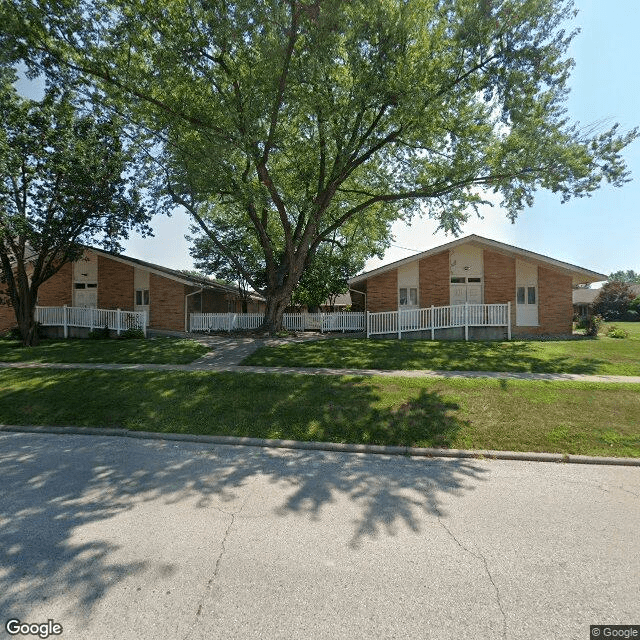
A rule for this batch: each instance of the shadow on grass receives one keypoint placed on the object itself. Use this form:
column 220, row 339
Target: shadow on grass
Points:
column 528, row 356
column 298, row 407
column 58, row 491
column 161, row 350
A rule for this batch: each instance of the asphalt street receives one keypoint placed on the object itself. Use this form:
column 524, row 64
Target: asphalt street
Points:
column 116, row 538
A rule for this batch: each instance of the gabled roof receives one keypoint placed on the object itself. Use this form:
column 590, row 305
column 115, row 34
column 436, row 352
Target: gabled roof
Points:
column 578, row 274
column 177, row 276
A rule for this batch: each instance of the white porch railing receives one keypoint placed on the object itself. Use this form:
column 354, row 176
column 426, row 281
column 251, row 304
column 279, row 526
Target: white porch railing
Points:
column 432, row 318
column 342, row 321
column 114, row 319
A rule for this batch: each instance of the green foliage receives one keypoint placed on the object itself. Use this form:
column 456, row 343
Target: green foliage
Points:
column 629, row 276
column 613, row 301
column 616, row 332
column 593, row 325
column 66, row 178
column 99, row 334
column 277, row 123
column 132, row 333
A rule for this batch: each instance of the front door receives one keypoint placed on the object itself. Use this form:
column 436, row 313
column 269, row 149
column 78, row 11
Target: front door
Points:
column 85, row 294
column 465, row 290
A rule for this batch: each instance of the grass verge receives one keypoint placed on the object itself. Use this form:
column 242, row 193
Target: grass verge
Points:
column 162, row 350
column 561, row 417
column 602, row 355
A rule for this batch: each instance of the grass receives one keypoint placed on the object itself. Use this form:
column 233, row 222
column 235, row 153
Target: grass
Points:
column 562, row 417
column 151, row 351
column 602, row 355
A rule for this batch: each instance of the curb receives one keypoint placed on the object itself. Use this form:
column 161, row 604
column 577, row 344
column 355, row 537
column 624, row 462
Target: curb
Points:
column 423, row 452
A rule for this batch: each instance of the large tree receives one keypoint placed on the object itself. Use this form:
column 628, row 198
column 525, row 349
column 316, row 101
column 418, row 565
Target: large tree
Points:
column 287, row 118
column 62, row 184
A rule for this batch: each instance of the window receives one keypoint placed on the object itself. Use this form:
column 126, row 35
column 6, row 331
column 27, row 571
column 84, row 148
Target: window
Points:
column 531, row 295
column 457, row 280
column 79, row 285
column 408, row 296
column 474, row 280
column 529, row 292
column 142, row 297
column 92, row 285
column 520, row 296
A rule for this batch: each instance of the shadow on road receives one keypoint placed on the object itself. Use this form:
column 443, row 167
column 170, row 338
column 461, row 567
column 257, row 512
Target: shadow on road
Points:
column 55, row 485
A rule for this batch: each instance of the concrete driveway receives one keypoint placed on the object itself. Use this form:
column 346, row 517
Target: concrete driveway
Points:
column 134, row 539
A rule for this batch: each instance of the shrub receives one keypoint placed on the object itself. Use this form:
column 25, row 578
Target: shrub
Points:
column 131, row 333
column 99, row 334
column 593, row 325
column 616, row 332
column 613, row 301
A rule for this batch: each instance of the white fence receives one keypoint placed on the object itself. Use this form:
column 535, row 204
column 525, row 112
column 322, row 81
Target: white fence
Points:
column 115, row 319
column 344, row 321
column 432, row 318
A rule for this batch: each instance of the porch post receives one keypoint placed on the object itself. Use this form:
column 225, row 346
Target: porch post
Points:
column 366, row 321
column 509, row 320
column 466, row 321
column 64, row 321
column 398, row 312
column 118, row 325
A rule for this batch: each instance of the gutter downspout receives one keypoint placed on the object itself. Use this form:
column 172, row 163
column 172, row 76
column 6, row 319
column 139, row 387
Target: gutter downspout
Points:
column 193, row 293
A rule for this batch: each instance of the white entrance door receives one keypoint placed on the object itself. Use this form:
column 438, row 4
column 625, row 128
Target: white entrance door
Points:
column 526, row 294
column 458, row 294
column 465, row 290
column 85, row 294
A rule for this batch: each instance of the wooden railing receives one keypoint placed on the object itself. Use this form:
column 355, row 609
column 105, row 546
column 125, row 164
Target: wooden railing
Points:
column 432, row 318
column 114, row 319
column 324, row 322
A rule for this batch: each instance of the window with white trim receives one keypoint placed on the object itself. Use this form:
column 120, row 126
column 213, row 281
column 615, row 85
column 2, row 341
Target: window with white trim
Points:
column 408, row 296
column 142, row 297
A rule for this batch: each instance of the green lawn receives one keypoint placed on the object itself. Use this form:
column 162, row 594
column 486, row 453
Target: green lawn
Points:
column 600, row 355
column 564, row 417
column 152, row 351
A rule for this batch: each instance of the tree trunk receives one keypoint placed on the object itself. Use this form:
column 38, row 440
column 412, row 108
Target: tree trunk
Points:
column 276, row 304
column 25, row 312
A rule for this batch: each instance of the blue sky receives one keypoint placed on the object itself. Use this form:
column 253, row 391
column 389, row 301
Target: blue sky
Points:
column 601, row 233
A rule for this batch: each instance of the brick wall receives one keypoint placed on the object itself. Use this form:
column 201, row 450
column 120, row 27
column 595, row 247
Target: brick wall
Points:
column 115, row 284
column 57, row 290
column 555, row 306
column 500, row 281
column 166, row 303
column 383, row 292
column 7, row 315
column 434, row 280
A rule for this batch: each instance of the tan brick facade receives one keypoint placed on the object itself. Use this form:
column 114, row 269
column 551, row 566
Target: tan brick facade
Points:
column 115, row 284
column 57, row 290
column 555, row 308
column 166, row 303
column 500, row 280
column 383, row 292
column 434, row 280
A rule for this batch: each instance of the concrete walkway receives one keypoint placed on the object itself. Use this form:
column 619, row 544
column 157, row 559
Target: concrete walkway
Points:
column 215, row 364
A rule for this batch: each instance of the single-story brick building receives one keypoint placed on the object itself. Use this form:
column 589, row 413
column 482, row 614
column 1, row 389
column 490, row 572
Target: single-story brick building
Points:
column 111, row 281
column 478, row 271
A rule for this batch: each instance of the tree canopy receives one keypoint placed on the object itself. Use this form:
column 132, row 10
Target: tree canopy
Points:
column 62, row 184
column 614, row 301
column 629, row 276
column 281, row 120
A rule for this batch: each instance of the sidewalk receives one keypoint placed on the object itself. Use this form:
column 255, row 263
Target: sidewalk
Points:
column 217, row 364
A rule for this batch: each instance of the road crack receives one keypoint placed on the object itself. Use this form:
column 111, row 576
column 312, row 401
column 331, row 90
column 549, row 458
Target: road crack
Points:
column 216, row 568
column 480, row 556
